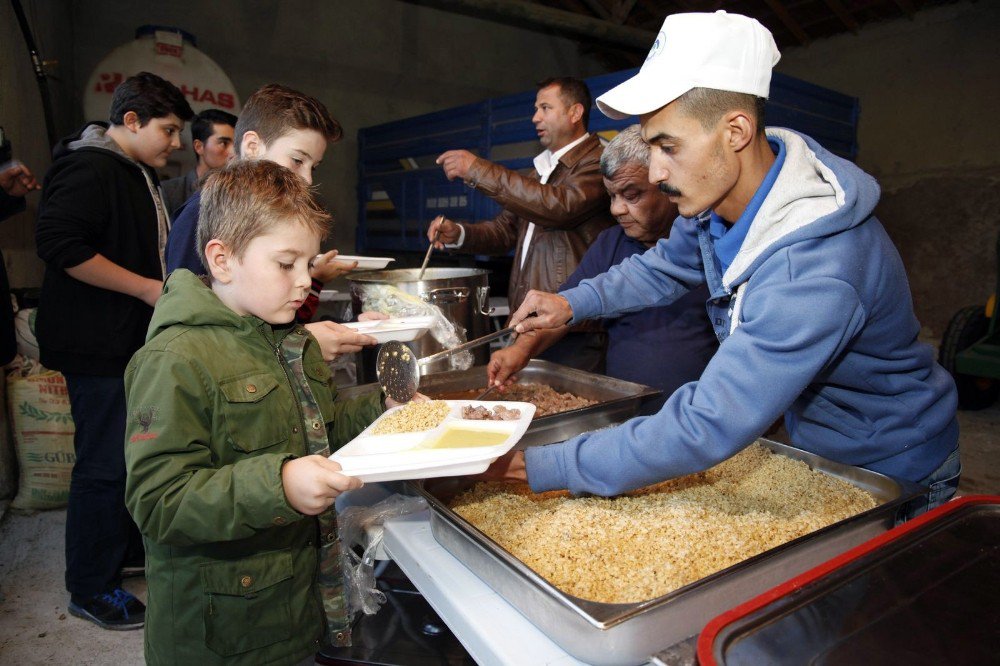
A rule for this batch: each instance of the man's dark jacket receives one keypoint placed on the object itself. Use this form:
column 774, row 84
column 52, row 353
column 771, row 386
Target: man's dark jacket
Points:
column 569, row 211
column 95, row 200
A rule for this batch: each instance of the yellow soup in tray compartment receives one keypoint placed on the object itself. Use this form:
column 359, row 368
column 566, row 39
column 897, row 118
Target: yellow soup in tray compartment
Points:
column 466, row 438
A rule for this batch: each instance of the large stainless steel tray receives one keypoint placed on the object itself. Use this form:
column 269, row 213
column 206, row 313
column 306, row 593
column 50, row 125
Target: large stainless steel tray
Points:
column 613, row 634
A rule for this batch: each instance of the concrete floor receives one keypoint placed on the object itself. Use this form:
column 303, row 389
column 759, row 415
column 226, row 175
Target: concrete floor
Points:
column 36, row 629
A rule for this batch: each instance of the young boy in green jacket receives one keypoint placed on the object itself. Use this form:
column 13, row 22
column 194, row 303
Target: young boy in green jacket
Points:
column 232, row 415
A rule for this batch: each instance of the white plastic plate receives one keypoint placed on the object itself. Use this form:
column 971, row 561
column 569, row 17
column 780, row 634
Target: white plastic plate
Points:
column 365, row 263
column 331, row 295
column 401, row 456
column 402, row 329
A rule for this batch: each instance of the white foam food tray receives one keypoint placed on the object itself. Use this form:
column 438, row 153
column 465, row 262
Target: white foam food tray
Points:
column 402, row 329
column 396, row 457
column 331, row 295
column 365, row 263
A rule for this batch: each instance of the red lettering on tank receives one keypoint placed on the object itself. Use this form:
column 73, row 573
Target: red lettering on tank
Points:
column 108, row 81
column 169, row 49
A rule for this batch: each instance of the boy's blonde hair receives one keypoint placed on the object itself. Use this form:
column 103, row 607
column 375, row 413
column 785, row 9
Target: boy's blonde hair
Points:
column 247, row 198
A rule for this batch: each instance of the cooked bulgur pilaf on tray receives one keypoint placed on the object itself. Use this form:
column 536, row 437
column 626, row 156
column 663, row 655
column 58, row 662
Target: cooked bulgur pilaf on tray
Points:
column 654, row 540
column 413, row 417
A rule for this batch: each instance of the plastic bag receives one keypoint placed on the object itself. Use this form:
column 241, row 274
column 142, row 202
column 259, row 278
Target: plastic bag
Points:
column 355, row 525
column 394, row 302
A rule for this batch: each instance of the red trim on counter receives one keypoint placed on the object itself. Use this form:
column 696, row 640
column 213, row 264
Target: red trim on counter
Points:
column 706, row 640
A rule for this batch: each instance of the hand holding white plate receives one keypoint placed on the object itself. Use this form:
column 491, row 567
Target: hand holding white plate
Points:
column 401, row 329
column 454, row 447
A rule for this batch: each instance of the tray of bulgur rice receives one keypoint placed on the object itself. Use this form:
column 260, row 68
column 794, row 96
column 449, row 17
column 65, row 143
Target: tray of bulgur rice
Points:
column 616, row 580
column 421, row 440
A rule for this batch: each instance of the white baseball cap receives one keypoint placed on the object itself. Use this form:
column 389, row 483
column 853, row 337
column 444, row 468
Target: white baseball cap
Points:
column 697, row 50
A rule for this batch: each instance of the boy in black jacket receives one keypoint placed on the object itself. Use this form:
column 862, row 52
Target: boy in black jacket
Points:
column 101, row 232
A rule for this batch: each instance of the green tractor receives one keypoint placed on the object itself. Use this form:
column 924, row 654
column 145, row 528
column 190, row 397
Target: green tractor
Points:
column 970, row 351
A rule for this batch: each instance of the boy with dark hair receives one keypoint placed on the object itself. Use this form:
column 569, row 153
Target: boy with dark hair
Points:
column 232, row 422
column 212, row 141
column 292, row 129
column 101, row 232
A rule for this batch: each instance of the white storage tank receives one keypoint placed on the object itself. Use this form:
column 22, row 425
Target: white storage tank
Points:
column 171, row 53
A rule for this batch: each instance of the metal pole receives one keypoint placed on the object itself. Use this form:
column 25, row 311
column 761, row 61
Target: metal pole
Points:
column 40, row 77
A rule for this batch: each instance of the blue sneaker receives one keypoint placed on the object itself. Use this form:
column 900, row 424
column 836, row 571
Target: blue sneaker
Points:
column 117, row 610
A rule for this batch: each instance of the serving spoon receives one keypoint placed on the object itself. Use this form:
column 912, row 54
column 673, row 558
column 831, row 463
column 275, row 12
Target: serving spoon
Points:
column 427, row 257
column 398, row 368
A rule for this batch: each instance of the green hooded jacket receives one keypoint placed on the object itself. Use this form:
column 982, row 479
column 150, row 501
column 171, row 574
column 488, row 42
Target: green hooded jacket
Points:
column 231, row 567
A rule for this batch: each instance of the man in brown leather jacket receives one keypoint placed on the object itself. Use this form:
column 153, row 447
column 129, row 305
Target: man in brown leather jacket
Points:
column 549, row 218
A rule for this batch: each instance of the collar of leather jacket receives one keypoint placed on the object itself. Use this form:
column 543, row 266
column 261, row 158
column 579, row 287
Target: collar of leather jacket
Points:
column 580, row 151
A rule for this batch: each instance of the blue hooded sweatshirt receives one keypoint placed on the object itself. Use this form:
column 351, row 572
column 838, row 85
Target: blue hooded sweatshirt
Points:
column 816, row 322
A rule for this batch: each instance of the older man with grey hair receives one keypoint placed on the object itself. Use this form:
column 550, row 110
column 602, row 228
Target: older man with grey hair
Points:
column 662, row 347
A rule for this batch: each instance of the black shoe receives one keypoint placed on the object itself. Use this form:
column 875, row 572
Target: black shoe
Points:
column 116, row 610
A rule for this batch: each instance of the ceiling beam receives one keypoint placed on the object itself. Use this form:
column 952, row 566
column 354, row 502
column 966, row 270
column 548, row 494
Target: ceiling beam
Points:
column 599, row 9
column 789, row 22
column 575, row 6
column 843, row 14
column 538, row 17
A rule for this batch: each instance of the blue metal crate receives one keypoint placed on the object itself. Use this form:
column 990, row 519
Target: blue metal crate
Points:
column 400, row 189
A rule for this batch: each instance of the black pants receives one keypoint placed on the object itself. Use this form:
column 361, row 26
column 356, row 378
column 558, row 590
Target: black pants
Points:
column 100, row 533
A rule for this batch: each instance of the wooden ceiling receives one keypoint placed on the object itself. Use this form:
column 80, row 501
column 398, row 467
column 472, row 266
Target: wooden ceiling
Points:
column 621, row 31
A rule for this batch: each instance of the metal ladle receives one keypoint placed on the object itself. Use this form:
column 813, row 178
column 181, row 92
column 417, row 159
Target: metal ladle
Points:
column 398, row 368
column 427, row 257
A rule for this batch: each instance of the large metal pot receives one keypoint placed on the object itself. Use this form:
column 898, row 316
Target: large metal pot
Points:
column 462, row 295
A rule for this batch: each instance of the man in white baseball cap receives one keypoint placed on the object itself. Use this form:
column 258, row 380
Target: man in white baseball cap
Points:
column 808, row 294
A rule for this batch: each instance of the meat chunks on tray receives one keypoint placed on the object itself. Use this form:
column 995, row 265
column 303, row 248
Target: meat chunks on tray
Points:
column 498, row 413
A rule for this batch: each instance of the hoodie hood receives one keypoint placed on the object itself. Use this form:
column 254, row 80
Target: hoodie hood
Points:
column 187, row 300
column 93, row 136
column 815, row 194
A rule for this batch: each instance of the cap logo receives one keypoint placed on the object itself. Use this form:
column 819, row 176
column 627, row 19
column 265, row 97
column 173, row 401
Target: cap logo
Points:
column 657, row 46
